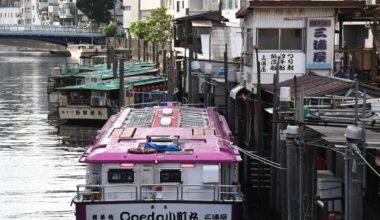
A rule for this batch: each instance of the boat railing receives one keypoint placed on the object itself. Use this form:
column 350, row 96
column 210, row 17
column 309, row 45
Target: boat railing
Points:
column 164, row 192
column 159, row 192
column 120, row 192
column 199, row 192
column 229, row 192
column 89, row 192
column 162, row 104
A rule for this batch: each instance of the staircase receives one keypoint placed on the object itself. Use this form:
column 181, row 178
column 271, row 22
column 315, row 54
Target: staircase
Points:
column 258, row 193
column 260, row 175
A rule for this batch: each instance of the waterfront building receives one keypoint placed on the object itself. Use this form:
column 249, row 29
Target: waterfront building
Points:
column 9, row 12
column 302, row 36
column 308, row 40
column 135, row 10
column 39, row 12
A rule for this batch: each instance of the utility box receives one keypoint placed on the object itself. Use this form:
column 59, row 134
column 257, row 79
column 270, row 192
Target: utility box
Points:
column 329, row 186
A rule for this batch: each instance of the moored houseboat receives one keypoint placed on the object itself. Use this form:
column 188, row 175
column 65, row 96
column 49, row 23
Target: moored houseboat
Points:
column 161, row 163
column 74, row 74
column 100, row 100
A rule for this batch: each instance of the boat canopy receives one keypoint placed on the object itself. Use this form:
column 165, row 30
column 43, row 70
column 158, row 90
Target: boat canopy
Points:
column 114, row 85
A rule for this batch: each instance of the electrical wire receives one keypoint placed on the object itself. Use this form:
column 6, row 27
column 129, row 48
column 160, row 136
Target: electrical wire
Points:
column 322, row 146
column 255, row 156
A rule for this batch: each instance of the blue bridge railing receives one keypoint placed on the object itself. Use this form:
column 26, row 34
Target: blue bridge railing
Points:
column 48, row 30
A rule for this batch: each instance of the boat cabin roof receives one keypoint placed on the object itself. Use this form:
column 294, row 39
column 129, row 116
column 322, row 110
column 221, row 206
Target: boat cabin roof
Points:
column 129, row 82
column 200, row 136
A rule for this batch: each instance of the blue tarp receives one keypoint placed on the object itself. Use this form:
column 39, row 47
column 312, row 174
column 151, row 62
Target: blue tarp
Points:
column 162, row 147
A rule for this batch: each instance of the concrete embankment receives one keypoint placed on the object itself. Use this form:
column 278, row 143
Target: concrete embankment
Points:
column 35, row 45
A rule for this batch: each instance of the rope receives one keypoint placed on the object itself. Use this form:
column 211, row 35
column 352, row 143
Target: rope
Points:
column 260, row 159
column 357, row 151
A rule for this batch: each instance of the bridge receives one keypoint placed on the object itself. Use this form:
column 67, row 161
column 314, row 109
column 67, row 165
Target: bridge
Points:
column 54, row 34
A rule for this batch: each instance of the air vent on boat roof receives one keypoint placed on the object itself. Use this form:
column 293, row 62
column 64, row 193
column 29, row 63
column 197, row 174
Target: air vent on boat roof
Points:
column 165, row 121
column 139, row 118
column 192, row 118
column 167, row 111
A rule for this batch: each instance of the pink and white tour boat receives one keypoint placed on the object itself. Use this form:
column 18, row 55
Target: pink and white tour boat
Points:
column 161, row 163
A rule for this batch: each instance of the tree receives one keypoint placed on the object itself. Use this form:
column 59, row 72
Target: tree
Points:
column 96, row 10
column 160, row 25
column 157, row 27
column 110, row 30
column 140, row 29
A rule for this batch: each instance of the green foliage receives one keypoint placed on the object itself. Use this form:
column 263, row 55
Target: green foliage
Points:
column 160, row 25
column 96, row 10
column 157, row 27
column 139, row 29
column 110, row 30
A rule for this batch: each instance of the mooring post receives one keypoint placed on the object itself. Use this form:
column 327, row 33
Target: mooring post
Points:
column 353, row 174
column 121, row 84
column 292, row 173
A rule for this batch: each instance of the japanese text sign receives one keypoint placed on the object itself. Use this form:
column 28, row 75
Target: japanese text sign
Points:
column 320, row 43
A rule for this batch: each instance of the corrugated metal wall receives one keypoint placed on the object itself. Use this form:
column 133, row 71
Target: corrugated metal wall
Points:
column 295, row 18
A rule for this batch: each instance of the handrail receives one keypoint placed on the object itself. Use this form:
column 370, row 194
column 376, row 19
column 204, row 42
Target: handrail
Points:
column 92, row 195
column 47, row 28
column 123, row 185
column 214, row 188
column 234, row 193
column 155, row 191
column 149, row 191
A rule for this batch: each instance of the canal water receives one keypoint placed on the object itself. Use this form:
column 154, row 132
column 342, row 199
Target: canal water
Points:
column 39, row 166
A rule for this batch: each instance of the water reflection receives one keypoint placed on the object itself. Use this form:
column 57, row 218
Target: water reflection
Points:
column 38, row 158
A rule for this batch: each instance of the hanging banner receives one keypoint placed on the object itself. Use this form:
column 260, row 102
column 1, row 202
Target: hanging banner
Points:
column 320, row 43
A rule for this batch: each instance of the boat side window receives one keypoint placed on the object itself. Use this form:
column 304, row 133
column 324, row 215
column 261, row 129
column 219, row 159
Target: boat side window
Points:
column 170, row 176
column 121, row 176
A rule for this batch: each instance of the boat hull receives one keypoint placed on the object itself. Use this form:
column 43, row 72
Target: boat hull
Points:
column 159, row 210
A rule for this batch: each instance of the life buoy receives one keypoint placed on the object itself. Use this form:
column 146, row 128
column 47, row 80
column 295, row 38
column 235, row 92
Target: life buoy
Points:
column 141, row 151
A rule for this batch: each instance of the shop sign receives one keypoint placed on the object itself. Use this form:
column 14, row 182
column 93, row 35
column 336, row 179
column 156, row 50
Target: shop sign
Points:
column 288, row 62
column 320, row 43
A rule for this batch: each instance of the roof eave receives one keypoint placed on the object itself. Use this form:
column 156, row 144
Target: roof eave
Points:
column 250, row 5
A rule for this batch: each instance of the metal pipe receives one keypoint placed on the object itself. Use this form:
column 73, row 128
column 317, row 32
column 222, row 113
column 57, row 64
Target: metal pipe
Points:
column 300, row 154
column 356, row 101
column 364, row 136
